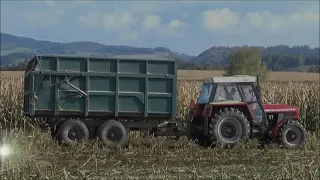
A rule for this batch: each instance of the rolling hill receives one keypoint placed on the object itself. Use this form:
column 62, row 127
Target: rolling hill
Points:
column 15, row 49
column 277, row 58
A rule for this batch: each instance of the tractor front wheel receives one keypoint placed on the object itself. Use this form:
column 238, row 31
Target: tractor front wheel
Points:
column 229, row 127
column 292, row 135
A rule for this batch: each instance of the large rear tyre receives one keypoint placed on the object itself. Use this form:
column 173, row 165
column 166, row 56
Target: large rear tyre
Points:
column 113, row 134
column 72, row 131
column 292, row 135
column 228, row 128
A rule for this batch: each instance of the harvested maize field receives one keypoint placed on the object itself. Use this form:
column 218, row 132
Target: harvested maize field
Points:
column 36, row 156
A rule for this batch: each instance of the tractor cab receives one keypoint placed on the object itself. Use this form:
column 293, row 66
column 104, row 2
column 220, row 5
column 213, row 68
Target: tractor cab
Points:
column 234, row 90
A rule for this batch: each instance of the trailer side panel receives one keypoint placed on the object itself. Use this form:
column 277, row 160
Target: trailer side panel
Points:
column 100, row 87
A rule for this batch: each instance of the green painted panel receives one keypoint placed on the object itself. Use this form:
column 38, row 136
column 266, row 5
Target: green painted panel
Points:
column 70, row 100
column 72, row 64
column 101, row 103
column 105, row 94
column 130, row 104
column 160, row 85
column 44, row 93
column 158, row 67
column 130, row 84
column 159, row 105
column 132, row 66
column 78, row 81
column 101, row 83
column 103, row 65
column 47, row 63
column 41, row 84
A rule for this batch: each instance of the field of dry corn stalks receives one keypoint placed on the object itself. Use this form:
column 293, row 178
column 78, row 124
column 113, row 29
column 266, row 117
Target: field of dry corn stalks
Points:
column 36, row 156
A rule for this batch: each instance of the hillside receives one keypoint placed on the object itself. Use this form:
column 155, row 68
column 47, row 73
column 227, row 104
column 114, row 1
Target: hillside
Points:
column 278, row 58
column 15, row 49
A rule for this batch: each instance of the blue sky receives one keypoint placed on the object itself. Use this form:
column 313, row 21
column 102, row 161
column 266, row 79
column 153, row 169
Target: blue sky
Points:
column 184, row 26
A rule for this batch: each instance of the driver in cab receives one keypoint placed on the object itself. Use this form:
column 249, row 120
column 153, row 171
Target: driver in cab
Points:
column 233, row 95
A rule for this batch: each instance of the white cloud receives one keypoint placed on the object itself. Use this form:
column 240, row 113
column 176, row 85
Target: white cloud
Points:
column 266, row 19
column 151, row 21
column 219, row 19
column 307, row 16
column 119, row 20
column 173, row 28
column 130, row 26
column 255, row 18
column 276, row 23
column 227, row 20
column 120, row 24
column 175, row 24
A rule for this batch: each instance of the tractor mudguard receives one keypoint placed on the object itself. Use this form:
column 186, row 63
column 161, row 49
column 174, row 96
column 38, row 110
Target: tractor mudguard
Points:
column 276, row 127
column 242, row 107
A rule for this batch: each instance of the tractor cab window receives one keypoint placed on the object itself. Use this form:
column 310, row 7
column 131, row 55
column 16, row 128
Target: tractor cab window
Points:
column 227, row 92
column 248, row 93
column 205, row 93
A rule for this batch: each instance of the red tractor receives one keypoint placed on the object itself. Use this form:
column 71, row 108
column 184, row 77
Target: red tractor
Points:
column 230, row 110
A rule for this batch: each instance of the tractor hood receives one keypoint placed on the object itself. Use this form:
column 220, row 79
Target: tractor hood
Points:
column 280, row 108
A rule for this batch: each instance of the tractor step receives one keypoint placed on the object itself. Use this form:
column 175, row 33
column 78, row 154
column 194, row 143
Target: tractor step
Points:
column 168, row 124
column 256, row 132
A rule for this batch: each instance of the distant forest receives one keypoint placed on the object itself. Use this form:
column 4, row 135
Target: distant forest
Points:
column 185, row 65
column 15, row 52
column 277, row 58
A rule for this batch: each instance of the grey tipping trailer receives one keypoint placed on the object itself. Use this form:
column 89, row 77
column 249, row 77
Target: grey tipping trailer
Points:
column 87, row 92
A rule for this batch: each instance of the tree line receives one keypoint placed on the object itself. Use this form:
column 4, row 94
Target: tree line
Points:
column 276, row 58
column 181, row 64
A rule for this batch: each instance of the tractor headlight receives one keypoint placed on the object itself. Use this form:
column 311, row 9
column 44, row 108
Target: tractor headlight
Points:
column 4, row 150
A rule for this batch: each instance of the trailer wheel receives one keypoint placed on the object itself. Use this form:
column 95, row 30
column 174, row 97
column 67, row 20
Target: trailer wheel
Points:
column 292, row 135
column 72, row 131
column 228, row 128
column 112, row 133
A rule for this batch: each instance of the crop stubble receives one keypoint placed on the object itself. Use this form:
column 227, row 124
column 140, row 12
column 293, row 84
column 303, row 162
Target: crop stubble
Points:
column 38, row 157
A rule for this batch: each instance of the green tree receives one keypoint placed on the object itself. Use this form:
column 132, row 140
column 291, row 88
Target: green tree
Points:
column 246, row 61
column 314, row 69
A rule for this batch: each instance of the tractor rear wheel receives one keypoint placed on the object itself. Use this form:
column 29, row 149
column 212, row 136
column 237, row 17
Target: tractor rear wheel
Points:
column 228, row 128
column 72, row 131
column 113, row 134
column 292, row 135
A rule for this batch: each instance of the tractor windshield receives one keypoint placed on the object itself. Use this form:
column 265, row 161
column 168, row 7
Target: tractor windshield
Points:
column 205, row 94
column 227, row 92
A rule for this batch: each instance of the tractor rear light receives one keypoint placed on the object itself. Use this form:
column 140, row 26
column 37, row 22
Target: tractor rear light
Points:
column 192, row 105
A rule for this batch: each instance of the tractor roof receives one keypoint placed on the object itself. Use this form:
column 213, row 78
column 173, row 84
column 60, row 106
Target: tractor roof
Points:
column 231, row 79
